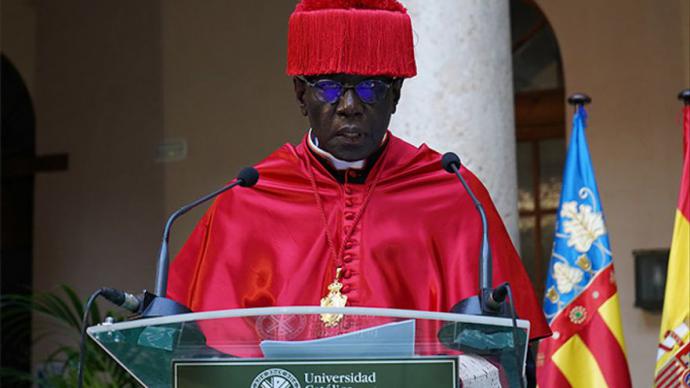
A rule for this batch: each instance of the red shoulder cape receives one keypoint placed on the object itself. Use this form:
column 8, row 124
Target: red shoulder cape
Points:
column 416, row 246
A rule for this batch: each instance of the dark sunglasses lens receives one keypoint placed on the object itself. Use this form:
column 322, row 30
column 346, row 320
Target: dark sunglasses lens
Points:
column 328, row 91
column 371, row 91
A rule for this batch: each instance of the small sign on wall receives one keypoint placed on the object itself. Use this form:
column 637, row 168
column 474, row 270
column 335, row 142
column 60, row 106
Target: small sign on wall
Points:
column 650, row 278
column 171, row 150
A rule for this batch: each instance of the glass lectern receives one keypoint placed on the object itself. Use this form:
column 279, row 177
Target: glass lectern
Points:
column 315, row 347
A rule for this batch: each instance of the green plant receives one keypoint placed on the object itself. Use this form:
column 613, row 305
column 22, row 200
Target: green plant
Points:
column 58, row 317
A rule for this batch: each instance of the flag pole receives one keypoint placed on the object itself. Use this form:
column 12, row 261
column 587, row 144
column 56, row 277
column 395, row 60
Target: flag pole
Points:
column 580, row 99
column 684, row 96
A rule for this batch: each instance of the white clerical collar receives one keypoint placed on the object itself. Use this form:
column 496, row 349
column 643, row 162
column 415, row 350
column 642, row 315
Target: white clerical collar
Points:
column 338, row 164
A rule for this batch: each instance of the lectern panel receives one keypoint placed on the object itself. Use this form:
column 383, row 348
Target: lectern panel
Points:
column 486, row 349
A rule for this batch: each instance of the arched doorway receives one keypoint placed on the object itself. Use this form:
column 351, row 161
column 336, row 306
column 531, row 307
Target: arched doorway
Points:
column 19, row 167
column 540, row 133
column 18, row 149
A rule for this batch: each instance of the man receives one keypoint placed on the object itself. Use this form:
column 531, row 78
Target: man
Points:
column 353, row 215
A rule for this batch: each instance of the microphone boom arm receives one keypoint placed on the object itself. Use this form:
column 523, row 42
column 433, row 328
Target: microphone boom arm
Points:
column 163, row 256
column 485, row 272
column 247, row 177
column 490, row 300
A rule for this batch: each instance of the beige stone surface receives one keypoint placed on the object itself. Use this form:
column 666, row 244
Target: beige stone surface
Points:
column 18, row 37
column 462, row 98
column 225, row 91
column 98, row 99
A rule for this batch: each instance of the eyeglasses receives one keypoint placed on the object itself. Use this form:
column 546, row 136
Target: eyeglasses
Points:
column 370, row 91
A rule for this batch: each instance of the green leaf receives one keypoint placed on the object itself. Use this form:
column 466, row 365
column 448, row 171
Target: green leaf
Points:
column 64, row 309
column 74, row 299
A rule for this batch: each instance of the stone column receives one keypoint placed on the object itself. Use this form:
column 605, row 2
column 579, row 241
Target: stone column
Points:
column 462, row 98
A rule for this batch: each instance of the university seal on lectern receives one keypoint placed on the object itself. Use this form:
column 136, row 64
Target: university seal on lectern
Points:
column 275, row 378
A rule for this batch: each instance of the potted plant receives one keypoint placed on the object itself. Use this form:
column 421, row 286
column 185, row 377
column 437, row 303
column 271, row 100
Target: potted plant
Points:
column 57, row 316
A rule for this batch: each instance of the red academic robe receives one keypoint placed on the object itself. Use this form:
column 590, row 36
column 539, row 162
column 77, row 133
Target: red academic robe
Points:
column 415, row 247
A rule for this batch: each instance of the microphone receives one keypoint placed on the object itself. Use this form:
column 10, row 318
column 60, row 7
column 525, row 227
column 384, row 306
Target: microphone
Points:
column 450, row 162
column 490, row 300
column 498, row 296
column 247, row 177
column 122, row 299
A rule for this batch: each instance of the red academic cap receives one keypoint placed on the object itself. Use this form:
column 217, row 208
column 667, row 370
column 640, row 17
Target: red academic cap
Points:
column 363, row 37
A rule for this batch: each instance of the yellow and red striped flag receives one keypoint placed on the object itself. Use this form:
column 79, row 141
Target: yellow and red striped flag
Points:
column 673, row 355
column 581, row 304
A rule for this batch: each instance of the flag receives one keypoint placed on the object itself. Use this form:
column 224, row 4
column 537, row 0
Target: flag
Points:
column 673, row 354
column 581, row 298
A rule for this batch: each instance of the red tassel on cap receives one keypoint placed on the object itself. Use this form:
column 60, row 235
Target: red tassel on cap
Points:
column 363, row 37
column 387, row 5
